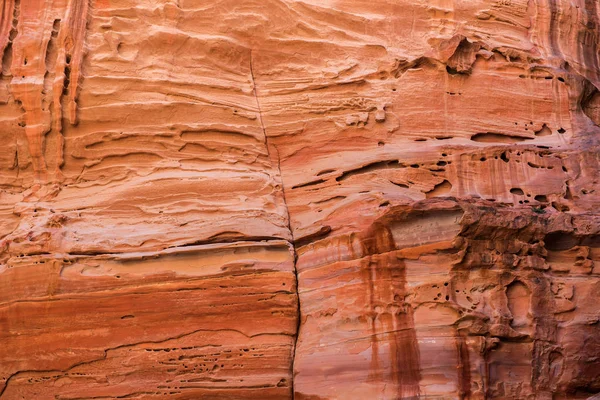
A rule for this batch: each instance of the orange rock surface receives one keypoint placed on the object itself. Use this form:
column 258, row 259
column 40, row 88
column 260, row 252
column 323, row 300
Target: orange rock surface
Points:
column 317, row 199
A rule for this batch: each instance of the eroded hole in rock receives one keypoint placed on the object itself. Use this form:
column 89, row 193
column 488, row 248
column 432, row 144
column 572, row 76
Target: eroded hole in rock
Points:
column 591, row 241
column 556, row 364
column 557, row 241
column 369, row 168
column 560, row 206
column 441, row 189
column 6, row 60
column 325, row 171
column 590, row 104
column 518, row 297
column 491, row 137
column 451, row 71
column 568, row 194
column 308, row 184
column 545, row 131
column 52, row 49
column 461, row 62
column 67, row 80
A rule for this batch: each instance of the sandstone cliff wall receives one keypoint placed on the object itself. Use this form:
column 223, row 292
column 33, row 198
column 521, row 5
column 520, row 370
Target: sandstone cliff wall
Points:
column 317, row 199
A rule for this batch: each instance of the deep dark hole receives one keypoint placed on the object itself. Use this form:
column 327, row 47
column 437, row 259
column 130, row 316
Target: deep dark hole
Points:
column 591, row 241
column 557, row 241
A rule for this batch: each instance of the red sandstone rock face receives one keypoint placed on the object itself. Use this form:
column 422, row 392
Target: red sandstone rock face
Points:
column 312, row 200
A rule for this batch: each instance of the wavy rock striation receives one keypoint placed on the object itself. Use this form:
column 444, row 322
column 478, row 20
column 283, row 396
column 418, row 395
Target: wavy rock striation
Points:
column 274, row 199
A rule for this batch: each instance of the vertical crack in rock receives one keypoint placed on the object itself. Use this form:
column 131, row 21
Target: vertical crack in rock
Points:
column 289, row 223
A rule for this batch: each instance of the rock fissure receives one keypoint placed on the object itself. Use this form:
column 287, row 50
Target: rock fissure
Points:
column 288, row 218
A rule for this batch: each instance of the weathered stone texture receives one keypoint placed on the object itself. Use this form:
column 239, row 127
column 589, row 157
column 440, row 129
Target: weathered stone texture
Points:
column 318, row 199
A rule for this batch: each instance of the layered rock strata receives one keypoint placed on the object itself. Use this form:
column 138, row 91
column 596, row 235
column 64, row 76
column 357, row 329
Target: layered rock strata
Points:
column 299, row 199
